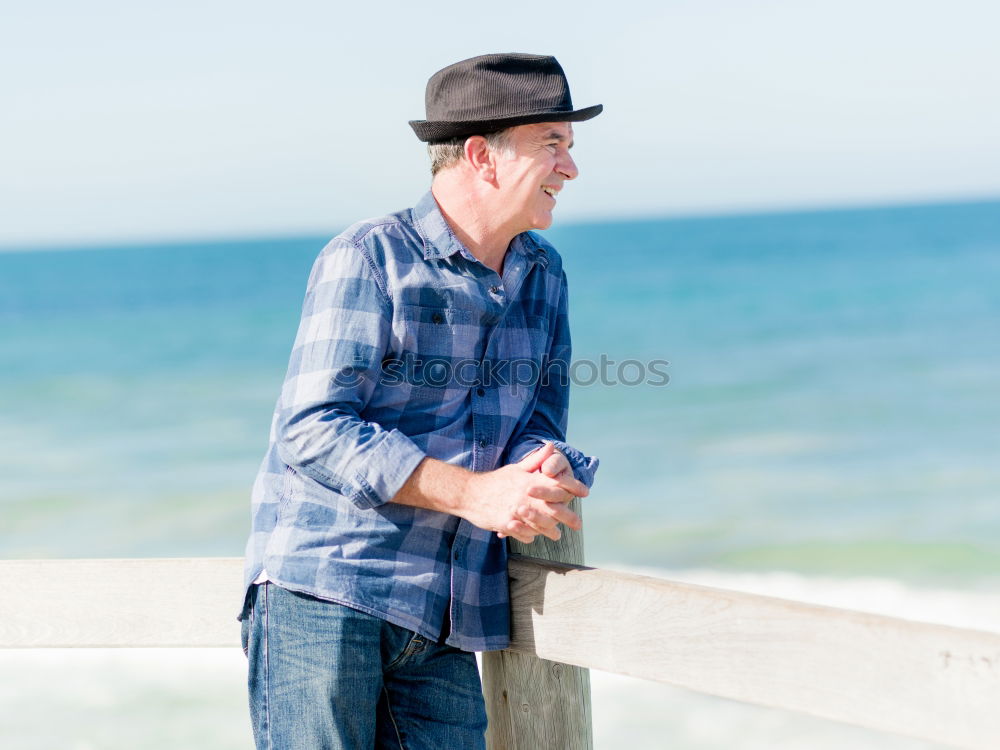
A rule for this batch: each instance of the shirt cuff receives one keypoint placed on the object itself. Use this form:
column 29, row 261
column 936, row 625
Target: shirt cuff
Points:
column 382, row 475
column 584, row 467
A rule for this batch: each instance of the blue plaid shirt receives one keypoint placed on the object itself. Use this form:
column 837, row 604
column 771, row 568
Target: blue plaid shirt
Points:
column 410, row 347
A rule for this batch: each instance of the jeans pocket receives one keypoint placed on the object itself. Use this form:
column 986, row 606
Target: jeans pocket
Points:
column 246, row 621
column 245, row 636
column 408, row 644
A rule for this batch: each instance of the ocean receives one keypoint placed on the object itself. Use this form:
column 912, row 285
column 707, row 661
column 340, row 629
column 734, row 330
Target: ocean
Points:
column 829, row 432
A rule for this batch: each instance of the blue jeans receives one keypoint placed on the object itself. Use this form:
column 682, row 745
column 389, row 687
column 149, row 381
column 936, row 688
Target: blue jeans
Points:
column 327, row 677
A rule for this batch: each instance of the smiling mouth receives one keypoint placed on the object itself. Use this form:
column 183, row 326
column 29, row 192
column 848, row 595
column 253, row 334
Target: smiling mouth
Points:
column 551, row 192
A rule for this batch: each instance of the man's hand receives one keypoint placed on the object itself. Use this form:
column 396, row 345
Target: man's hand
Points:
column 522, row 500
column 555, row 466
column 519, row 500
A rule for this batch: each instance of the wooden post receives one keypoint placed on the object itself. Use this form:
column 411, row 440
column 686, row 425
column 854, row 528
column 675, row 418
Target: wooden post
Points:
column 536, row 703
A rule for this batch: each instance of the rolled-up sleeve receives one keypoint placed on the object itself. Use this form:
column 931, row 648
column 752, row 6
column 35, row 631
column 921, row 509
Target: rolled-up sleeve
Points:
column 548, row 421
column 334, row 368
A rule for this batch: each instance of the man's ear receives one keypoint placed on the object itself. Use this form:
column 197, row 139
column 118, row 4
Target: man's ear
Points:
column 479, row 156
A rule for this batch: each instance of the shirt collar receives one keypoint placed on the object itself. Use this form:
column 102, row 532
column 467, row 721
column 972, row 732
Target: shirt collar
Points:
column 440, row 242
column 527, row 244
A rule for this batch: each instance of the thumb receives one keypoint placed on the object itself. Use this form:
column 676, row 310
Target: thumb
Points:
column 534, row 461
column 554, row 465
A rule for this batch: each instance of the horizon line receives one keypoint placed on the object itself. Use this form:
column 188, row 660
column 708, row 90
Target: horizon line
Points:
column 217, row 237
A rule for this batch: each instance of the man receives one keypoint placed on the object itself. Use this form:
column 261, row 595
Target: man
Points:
column 407, row 441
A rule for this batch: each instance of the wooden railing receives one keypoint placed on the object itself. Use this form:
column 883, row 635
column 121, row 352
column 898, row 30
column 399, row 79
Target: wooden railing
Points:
column 927, row 681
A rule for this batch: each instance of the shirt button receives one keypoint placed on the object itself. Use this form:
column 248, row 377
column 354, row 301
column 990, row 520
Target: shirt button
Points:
column 483, row 442
column 458, row 554
column 480, row 392
column 437, row 318
column 494, row 290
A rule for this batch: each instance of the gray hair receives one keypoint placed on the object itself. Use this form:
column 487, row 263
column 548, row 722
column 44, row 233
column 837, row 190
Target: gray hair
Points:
column 447, row 153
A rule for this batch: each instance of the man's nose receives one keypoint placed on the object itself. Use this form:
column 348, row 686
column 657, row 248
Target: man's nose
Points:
column 567, row 167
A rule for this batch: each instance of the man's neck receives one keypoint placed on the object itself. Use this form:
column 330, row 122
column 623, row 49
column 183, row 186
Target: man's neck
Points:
column 470, row 220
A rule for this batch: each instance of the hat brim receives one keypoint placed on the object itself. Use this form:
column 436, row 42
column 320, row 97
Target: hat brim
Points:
column 429, row 130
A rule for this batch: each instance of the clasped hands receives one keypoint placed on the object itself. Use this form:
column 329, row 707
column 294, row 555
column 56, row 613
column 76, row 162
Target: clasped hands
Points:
column 537, row 491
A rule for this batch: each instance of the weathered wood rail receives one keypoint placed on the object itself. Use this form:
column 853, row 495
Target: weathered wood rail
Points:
column 927, row 681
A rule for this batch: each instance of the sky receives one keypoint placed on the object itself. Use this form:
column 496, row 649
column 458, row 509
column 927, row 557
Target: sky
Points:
column 126, row 121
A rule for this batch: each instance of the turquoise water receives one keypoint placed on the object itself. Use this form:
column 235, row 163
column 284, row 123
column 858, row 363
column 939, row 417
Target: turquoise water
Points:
column 833, row 404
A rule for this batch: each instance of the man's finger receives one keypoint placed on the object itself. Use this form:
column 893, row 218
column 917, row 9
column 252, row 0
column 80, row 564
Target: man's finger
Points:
column 520, row 531
column 564, row 477
column 533, row 461
column 544, row 518
column 555, row 465
column 538, row 518
column 561, row 513
column 571, row 484
column 552, row 531
column 553, row 493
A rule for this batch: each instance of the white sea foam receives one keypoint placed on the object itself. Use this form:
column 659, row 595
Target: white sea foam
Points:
column 106, row 699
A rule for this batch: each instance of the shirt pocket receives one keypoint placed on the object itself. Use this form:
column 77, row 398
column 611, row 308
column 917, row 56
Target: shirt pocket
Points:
column 438, row 353
column 448, row 332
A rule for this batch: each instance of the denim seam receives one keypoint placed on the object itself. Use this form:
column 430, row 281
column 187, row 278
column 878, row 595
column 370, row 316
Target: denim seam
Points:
column 380, row 281
column 267, row 668
column 395, row 726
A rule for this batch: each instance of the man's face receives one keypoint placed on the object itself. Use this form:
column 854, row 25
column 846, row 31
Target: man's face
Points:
column 531, row 176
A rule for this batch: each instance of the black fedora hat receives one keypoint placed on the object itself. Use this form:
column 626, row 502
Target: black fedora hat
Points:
column 492, row 92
